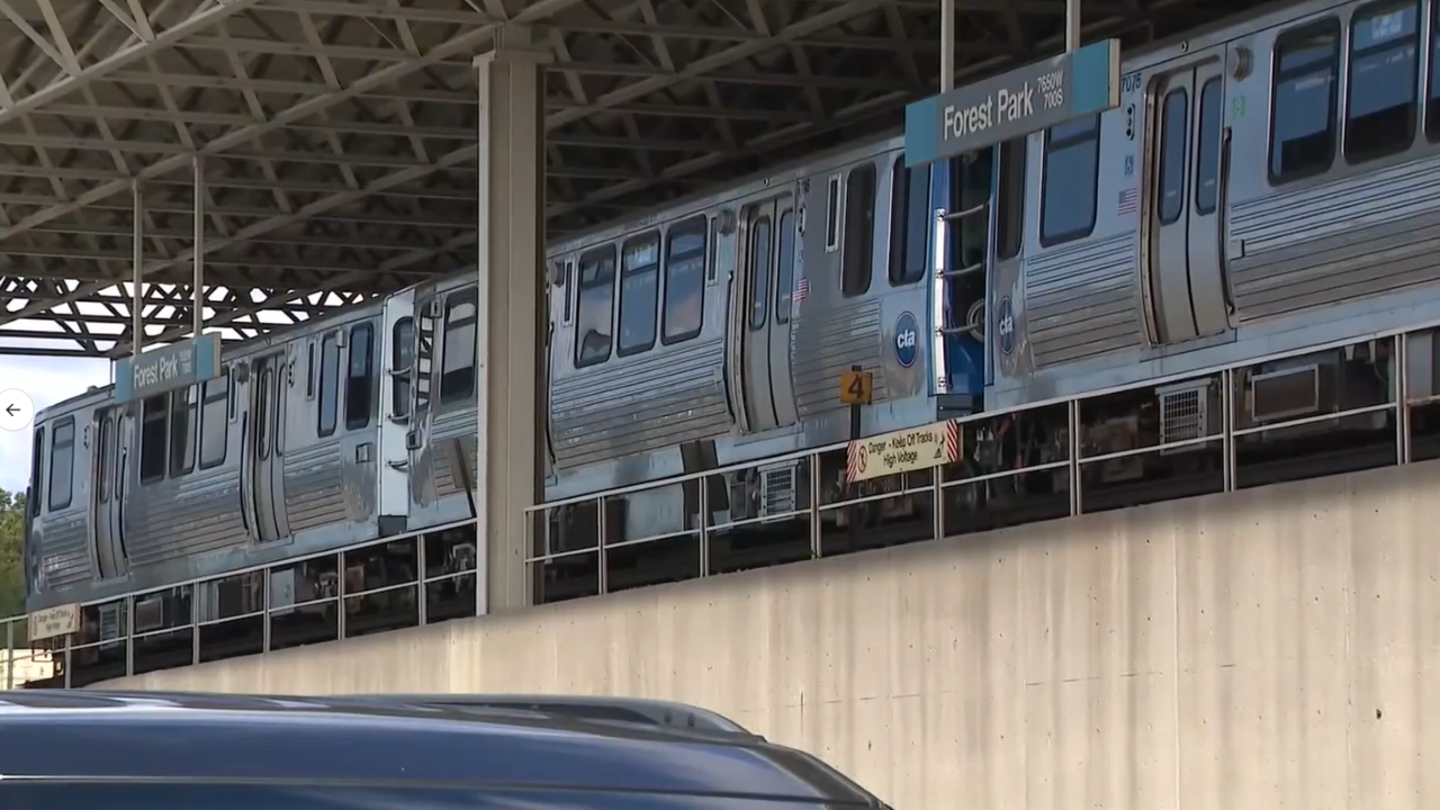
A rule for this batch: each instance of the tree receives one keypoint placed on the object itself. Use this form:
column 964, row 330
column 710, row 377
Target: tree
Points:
column 12, row 555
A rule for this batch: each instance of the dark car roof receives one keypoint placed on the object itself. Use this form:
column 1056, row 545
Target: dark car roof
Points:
column 500, row 740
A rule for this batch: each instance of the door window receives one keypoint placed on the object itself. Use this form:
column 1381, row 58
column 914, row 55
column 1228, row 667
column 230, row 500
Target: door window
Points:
column 785, row 267
column 759, row 271
column 62, row 463
column 1207, row 156
column 1174, row 117
column 329, row 385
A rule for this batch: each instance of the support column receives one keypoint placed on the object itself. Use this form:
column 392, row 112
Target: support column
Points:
column 137, row 259
column 198, row 304
column 511, row 254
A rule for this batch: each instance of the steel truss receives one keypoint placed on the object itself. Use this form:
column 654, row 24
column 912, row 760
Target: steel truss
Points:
column 339, row 135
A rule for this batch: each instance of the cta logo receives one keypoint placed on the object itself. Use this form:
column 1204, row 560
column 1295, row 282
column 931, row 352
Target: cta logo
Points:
column 907, row 340
column 1005, row 326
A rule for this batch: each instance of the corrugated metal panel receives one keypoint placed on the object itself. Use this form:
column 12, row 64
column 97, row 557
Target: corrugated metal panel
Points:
column 652, row 402
column 826, row 345
column 1338, row 241
column 314, row 495
column 1080, row 300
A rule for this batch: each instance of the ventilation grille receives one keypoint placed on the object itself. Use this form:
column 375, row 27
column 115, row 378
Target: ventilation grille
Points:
column 777, row 491
column 1184, row 415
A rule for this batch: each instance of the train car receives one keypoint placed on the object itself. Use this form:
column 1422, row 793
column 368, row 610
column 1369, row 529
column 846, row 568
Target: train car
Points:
column 1263, row 187
column 275, row 458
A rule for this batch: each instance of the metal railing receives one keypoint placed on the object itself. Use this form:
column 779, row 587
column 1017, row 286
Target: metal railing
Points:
column 948, row 491
column 430, row 576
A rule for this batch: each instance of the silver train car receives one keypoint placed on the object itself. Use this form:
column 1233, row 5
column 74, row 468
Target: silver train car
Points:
column 274, row 458
column 1263, row 186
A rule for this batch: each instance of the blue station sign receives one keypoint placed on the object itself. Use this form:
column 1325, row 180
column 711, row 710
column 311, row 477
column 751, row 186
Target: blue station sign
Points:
column 167, row 368
column 1025, row 100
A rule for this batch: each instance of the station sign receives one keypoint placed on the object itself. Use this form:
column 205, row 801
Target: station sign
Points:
column 167, row 368
column 1025, row 100
column 53, row 622
column 903, row 451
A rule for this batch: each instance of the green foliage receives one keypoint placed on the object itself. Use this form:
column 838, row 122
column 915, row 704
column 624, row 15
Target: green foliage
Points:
column 12, row 555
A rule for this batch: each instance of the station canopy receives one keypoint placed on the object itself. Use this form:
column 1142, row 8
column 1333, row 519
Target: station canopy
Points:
column 338, row 137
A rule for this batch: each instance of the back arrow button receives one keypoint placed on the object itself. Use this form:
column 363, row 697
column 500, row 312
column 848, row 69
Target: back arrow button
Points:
column 16, row 410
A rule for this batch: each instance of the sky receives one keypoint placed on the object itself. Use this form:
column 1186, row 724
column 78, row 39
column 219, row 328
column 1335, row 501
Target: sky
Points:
column 47, row 380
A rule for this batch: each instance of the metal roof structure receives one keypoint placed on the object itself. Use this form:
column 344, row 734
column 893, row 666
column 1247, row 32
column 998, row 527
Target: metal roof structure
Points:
column 338, row 142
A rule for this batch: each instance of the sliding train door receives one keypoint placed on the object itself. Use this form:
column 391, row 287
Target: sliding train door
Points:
column 106, row 492
column 767, row 279
column 1186, row 145
column 267, row 409
column 395, row 403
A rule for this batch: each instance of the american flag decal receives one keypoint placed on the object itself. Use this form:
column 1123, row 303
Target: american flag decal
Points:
column 1129, row 201
column 802, row 289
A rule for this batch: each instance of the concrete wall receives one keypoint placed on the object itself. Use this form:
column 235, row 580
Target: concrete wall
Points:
column 1276, row 648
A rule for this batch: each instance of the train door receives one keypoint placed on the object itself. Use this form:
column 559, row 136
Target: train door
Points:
column 1186, row 145
column 109, row 554
column 767, row 277
column 417, row 438
column 395, row 402
column 267, row 488
column 120, row 492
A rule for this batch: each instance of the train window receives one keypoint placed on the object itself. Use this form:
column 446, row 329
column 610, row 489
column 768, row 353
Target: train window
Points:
column 401, row 357
column 1072, row 164
column 1174, row 132
column 1380, row 100
column 716, row 231
column 213, row 424
column 457, row 367
column 183, row 424
column 263, row 384
column 595, row 316
column 859, row 231
column 155, row 413
column 329, row 407
column 1302, row 138
column 107, row 458
column 1010, row 202
column 37, row 468
column 568, row 291
column 760, row 239
column 832, row 214
column 909, row 223
column 1432, row 101
column 684, row 311
column 785, row 266
column 639, row 293
column 1207, row 156
column 360, row 382
column 62, row 463
column 310, row 371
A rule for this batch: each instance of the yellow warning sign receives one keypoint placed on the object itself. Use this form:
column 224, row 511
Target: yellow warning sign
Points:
column 903, row 451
